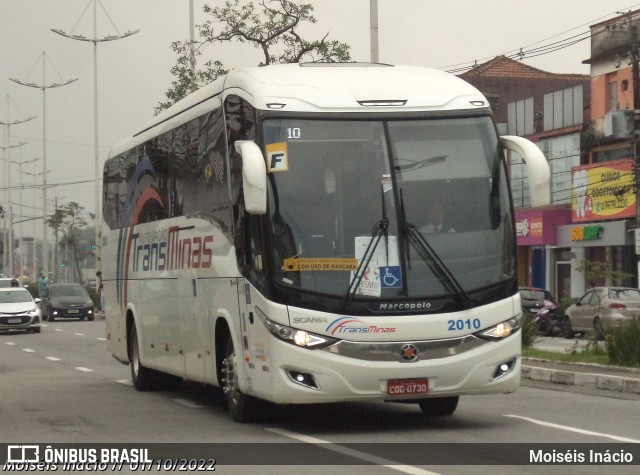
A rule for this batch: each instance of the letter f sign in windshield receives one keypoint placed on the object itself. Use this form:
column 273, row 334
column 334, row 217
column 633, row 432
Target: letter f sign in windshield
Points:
column 277, row 160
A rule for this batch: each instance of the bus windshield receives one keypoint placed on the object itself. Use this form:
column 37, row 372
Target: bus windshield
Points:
column 383, row 209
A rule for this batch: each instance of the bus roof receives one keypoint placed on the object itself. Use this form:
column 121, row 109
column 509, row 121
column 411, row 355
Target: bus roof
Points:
column 325, row 87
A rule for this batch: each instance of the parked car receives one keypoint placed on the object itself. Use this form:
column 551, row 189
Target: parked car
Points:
column 19, row 310
column 532, row 299
column 89, row 283
column 601, row 308
column 68, row 301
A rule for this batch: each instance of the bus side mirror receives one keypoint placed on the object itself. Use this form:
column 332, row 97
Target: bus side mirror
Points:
column 537, row 168
column 254, row 177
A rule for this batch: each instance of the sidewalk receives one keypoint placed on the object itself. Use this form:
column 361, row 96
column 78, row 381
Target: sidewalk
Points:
column 608, row 378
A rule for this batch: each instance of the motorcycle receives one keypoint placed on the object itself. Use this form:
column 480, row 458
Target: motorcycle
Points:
column 549, row 319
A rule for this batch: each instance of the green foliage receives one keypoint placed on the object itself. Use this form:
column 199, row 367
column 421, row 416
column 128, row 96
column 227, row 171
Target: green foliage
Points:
column 69, row 220
column 271, row 26
column 597, row 272
column 571, row 355
column 529, row 331
column 623, row 344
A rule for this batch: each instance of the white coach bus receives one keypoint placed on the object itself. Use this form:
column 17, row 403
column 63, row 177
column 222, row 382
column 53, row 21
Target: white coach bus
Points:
column 269, row 235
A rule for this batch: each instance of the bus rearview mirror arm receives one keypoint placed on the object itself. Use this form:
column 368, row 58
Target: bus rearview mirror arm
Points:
column 254, row 177
column 537, row 168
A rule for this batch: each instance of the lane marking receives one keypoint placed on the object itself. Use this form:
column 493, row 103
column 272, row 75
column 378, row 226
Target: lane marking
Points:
column 51, row 358
column 58, row 330
column 28, row 350
column 186, row 402
column 86, row 370
column 10, row 343
column 574, row 429
column 79, row 334
column 101, row 339
column 126, row 382
column 325, row 444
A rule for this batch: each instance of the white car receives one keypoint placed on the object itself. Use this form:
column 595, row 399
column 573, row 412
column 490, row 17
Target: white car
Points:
column 19, row 310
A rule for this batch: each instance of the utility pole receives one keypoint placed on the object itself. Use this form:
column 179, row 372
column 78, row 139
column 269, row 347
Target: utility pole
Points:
column 635, row 140
column 44, row 86
column 95, row 40
column 373, row 24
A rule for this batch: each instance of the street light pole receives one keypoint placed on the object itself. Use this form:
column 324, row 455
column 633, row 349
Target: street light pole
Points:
column 9, row 248
column 95, row 40
column 22, row 257
column 33, row 242
column 44, row 86
column 7, row 258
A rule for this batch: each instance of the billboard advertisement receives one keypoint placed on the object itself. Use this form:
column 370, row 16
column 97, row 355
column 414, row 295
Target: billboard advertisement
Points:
column 603, row 191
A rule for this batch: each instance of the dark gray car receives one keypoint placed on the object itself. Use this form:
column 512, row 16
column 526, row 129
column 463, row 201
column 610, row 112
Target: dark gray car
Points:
column 67, row 301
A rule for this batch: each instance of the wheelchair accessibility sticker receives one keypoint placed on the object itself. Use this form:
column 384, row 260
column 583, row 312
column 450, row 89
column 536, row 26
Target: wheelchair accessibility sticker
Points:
column 390, row 277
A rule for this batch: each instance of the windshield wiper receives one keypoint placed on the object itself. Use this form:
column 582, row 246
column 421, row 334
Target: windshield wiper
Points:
column 412, row 165
column 437, row 266
column 381, row 228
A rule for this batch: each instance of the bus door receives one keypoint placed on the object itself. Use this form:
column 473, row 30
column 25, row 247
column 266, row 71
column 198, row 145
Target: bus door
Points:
column 255, row 339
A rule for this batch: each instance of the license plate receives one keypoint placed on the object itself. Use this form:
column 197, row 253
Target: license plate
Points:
column 407, row 387
column 73, row 311
column 14, row 320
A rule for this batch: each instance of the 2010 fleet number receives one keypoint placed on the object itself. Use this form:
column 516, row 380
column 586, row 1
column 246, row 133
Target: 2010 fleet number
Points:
column 467, row 324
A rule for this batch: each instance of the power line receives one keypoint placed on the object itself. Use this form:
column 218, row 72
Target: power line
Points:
column 528, row 52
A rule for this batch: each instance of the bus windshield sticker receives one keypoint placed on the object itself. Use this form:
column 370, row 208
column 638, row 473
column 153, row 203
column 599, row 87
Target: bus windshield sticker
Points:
column 331, row 263
column 277, row 157
column 386, row 256
column 390, row 277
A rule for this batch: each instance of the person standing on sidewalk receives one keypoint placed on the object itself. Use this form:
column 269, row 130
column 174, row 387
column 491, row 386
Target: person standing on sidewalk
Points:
column 100, row 289
column 43, row 286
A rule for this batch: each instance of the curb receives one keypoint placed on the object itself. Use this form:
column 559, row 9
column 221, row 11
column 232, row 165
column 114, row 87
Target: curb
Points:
column 595, row 380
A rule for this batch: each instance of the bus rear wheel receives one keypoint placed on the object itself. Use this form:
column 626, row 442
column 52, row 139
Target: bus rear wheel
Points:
column 242, row 407
column 439, row 406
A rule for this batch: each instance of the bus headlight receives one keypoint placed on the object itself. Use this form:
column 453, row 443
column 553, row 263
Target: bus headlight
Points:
column 501, row 330
column 301, row 338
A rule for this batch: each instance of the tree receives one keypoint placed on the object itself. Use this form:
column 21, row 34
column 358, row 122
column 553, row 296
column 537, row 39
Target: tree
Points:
column 71, row 222
column 597, row 273
column 269, row 25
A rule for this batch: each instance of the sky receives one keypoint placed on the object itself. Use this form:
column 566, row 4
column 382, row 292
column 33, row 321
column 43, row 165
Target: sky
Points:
column 134, row 72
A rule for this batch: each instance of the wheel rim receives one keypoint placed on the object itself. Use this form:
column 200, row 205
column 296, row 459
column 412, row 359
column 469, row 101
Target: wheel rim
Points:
column 135, row 359
column 230, row 382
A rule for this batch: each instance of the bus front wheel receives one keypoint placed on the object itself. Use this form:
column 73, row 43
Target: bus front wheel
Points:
column 439, row 406
column 144, row 379
column 241, row 406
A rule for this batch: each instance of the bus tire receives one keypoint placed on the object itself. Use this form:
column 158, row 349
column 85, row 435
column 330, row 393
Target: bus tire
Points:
column 144, row 379
column 439, row 406
column 242, row 407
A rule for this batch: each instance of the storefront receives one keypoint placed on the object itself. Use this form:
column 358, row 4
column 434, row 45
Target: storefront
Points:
column 611, row 243
column 602, row 229
column 536, row 235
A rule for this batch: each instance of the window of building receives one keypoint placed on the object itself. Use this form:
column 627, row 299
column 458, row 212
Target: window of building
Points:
column 613, row 96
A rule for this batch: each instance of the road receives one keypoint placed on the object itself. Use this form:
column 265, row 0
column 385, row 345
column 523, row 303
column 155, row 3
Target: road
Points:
column 62, row 386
